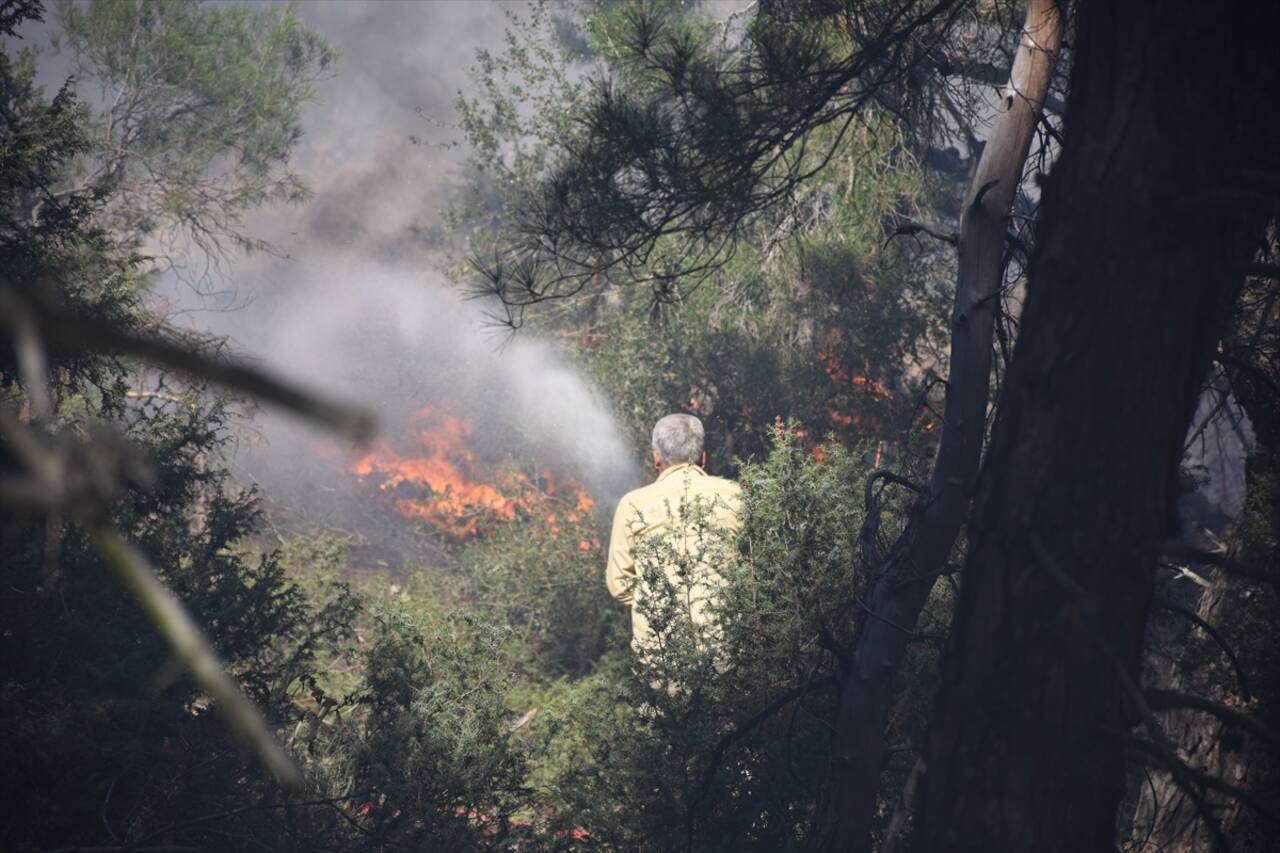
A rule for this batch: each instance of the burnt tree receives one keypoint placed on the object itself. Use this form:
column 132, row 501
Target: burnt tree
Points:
column 1147, row 226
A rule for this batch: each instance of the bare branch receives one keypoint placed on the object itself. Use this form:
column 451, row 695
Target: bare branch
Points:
column 1167, row 759
column 210, row 818
column 742, row 729
column 1167, row 700
column 1218, row 559
column 899, row 819
column 1217, row 638
column 910, row 228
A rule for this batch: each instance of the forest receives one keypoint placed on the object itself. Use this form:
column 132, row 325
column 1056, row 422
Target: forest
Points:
column 334, row 340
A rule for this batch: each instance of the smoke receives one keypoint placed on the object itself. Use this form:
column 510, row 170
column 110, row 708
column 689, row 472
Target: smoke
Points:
column 358, row 308
column 397, row 340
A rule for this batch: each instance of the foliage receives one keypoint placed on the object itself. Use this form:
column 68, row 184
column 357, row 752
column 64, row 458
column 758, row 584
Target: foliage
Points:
column 820, row 324
column 669, row 161
column 720, row 735
column 201, row 107
column 543, row 581
column 509, row 712
column 90, row 688
column 812, row 314
column 104, row 736
column 41, row 138
column 499, row 705
column 436, row 753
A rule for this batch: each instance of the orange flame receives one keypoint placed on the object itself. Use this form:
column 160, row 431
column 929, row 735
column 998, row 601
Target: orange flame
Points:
column 849, row 385
column 448, row 489
column 831, row 365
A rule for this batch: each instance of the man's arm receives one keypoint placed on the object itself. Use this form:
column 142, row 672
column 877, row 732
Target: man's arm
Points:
column 620, row 573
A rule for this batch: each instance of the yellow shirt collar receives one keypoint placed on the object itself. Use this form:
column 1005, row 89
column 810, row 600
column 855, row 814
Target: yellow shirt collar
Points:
column 668, row 471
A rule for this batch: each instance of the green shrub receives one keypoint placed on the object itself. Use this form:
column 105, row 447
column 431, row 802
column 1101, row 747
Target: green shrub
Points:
column 721, row 737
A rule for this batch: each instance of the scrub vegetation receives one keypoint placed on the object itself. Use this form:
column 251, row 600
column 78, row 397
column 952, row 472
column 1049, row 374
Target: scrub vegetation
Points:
column 944, row 280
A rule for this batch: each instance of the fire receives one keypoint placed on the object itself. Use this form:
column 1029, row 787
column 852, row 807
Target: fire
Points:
column 440, row 482
column 849, row 386
column 860, row 382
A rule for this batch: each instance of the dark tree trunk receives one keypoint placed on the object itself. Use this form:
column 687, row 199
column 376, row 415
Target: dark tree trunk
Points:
column 903, row 581
column 1243, row 612
column 1167, row 818
column 1147, row 225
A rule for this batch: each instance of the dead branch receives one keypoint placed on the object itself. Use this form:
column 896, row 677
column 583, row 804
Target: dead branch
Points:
column 1218, row 559
column 1166, row 759
column 1169, row 700
column 210, row 818
column 45, row 468
column 742, row 729
column 899, row 819
column 871, row 519
column 1217, row 637
column 911, row 228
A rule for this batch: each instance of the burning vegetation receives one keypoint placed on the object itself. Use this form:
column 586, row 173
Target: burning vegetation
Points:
column 432, row 474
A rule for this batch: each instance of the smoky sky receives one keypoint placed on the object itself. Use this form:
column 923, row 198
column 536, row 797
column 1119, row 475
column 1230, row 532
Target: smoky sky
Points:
column 355, row 304
column 359, row 307
column 374, row 141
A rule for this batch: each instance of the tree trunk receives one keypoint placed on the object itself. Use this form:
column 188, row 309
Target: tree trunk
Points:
column 1167, row 817
column 922, row 551
column 1147, row 224
column 1244, row 613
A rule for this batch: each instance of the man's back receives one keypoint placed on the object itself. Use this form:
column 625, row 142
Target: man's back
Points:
column 670, row 507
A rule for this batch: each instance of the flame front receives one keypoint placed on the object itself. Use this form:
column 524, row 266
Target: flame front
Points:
column 439, row 481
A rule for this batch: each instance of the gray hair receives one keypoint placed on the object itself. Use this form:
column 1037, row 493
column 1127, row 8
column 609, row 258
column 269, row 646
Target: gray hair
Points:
column 678, row 439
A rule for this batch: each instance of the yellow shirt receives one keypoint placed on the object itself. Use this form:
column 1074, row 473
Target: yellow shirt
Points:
column 655, row 509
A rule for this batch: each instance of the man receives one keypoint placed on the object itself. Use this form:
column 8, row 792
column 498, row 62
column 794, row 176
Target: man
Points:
column 682, row 492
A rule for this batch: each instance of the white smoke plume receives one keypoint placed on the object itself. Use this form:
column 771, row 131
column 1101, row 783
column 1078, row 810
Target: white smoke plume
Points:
column 396, row 340
column 357, row 308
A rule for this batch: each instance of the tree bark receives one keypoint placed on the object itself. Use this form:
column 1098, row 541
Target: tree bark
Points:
column 892, row 597
column 1147, row 224
column 1244, row 613
column 1168, row 819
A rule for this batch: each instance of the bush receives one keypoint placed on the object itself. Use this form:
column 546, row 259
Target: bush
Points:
column 435, row 753
column 719, row 739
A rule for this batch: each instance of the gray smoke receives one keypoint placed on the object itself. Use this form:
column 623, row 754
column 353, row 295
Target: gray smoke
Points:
column 396, row 340
column 358, row 308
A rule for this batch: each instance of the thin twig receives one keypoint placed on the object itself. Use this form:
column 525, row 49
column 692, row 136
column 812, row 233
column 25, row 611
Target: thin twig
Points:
column 209, row 818
column 744, row 728
column 899, row 819
column 911, row 228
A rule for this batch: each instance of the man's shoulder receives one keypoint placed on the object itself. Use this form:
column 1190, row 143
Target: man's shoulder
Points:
column 678, row 482
column 720, row 486
column 723, row 483
column 710, row 486
column 639, row 498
